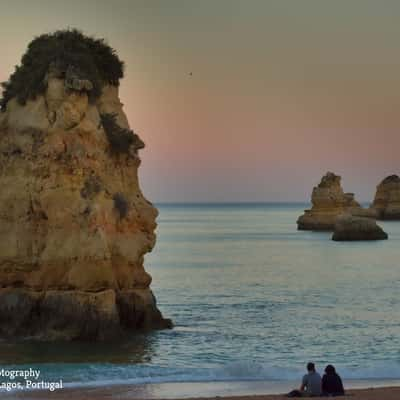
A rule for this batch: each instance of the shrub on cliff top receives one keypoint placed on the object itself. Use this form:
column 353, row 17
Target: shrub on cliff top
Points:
column 93, row 58
column 120, row 139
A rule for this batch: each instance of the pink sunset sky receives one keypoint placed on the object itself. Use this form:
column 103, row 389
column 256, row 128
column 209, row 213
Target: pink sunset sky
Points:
column 243, row 100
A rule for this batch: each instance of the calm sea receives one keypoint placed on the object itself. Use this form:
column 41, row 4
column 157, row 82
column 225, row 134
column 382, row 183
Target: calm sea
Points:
column 252, row 298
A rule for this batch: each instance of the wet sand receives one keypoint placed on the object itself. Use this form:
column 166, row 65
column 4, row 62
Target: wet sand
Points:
column 129, row 392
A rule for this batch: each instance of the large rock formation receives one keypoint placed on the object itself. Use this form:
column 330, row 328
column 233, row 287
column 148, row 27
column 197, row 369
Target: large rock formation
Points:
column 74, row 225
column 350, row 228
column 387, row 198
column 328, row 202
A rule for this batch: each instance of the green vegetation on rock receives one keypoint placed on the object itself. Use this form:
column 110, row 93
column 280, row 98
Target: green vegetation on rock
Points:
column 91, row 59
column 120, row 139
column 121, row 205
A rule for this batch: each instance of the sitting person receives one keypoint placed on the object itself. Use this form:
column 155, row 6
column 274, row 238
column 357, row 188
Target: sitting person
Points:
column 332, row 383
column 311, row 384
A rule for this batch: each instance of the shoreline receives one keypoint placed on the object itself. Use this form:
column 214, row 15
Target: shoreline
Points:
column 234, row 390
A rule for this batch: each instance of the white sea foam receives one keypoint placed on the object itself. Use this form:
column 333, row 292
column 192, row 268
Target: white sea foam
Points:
column 238, row 371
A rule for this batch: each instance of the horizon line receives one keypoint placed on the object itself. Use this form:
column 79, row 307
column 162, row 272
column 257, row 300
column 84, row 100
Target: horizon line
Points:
column 239, row 202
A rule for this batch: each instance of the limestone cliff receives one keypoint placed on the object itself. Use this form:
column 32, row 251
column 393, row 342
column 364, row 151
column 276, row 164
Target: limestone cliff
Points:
column 74, row 224
column 328, row 202
column 387, row 198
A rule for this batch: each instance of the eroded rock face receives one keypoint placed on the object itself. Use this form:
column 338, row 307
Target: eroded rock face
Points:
column 351, row 228
column 387, row 198
column 71, row 255
column 328, row 202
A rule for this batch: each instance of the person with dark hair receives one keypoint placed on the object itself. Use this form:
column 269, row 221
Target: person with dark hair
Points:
column 310, row 385
column 332, row 383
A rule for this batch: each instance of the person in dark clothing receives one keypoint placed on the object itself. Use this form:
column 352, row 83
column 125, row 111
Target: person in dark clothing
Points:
column 332, row 383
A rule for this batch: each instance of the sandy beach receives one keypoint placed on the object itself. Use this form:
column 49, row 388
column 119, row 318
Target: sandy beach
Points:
column 126, row 392
column 153, row 392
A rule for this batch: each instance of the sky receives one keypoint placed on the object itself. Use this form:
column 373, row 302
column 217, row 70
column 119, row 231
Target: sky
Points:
column 250, row 100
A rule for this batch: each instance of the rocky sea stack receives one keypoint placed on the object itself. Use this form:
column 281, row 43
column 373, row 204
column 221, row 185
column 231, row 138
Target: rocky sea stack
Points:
column 74, row 225
column 387, row 198
column 350, row 228
column 328, row 202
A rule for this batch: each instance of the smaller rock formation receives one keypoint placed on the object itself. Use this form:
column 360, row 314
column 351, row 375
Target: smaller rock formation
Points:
column 387, row 198
column 328, row 202
column 350, row 228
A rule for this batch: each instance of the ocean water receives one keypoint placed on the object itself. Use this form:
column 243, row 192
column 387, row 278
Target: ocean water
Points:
column 252, row 299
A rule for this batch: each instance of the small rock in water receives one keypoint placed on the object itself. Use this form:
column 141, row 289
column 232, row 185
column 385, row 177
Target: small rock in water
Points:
column 350, row 228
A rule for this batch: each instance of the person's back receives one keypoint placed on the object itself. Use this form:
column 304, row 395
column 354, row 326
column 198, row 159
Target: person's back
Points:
column 312, row 383
column 332, row 383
